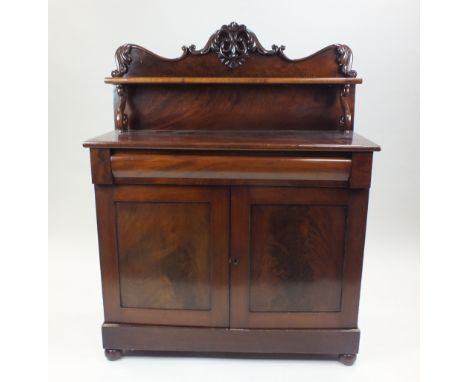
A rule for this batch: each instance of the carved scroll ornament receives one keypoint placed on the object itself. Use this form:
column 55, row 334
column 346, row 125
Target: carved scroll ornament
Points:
column 233, row 43
column 344, row 58
column 345, row 61
column 123, row 59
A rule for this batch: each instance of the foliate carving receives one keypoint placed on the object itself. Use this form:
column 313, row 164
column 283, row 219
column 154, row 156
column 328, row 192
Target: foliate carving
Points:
column 345, row 60
column 123, row 60
column 233, row 43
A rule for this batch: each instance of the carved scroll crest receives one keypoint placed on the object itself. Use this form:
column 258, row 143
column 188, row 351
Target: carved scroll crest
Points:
column 344, row 58
column 233, row 43
column 123, row 59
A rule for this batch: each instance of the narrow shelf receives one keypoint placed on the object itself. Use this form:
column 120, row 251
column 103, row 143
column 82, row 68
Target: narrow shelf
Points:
column 234, row 80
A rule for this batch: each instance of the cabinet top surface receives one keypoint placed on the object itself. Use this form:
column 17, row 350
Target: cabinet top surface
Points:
column 262, row 140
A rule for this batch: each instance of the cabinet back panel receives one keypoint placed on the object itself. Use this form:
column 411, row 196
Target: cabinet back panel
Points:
column 235, row 107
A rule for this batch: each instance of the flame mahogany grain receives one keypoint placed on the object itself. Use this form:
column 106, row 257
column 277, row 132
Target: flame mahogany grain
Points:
column 231, row 201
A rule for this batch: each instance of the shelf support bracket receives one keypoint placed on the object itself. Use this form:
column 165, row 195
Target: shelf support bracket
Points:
column 121, row 119
column 346, row 119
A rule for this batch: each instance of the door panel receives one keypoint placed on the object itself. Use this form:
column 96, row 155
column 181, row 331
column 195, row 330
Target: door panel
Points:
column 296, row 258
column 172, row 257
column 165, row 264
column 292, row 265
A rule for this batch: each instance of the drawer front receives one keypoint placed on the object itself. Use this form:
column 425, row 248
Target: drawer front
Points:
column 229, row 167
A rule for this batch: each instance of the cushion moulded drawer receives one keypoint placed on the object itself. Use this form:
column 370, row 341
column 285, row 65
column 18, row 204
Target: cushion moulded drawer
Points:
column 143, row 165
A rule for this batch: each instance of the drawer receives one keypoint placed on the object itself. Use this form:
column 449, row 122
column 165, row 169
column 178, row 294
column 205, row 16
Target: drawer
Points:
column 131, row 165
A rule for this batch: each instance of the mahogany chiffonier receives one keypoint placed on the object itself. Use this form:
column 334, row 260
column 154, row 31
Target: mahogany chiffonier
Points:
column 231, row 201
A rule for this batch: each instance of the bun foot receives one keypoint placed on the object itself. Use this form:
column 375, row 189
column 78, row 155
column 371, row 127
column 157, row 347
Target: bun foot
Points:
column 347, row 359
column 113, row 354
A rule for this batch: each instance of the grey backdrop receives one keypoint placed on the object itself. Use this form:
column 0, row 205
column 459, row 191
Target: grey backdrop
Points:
column 384, row 36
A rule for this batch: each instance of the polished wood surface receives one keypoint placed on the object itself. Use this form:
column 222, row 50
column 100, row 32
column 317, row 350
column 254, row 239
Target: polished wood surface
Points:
column 227, row 78
column 259, row 140
column 293, row 257
column 233, row 80
column 361, row 170
column 196, row 166
column 101, row 172
column 235, row 51
column 296, row 257
column 165, row 264
column 246, row 341
column 232, row 200
column 164, row 254
column 231, row 107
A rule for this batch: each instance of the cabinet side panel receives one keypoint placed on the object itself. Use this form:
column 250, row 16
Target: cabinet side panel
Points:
column 107, row 251
column 355, row 240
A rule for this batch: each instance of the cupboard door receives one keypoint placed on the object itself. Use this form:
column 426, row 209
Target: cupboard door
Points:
column 296, row 255
column 167, row 263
